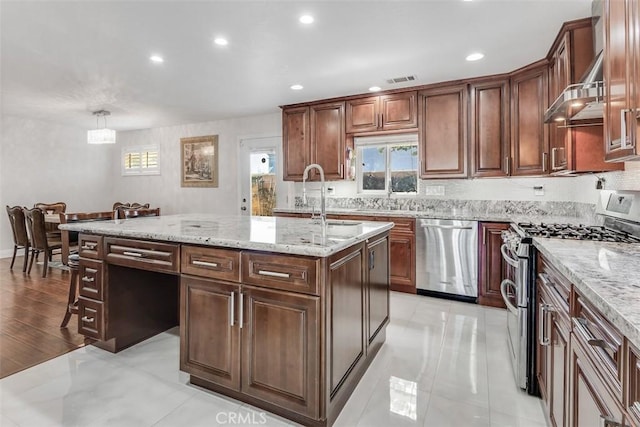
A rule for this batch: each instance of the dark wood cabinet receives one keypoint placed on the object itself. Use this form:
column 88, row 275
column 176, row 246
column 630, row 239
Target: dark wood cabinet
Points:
column 529, row 139
column 328, row 139
column 442, row 117
column 492, row 267
column 313, row 134
column 210, row 336
column 280, row 348
column 554, row 328
column 580, row 148
column 296, row 147
column 621, row 77
column 490, row 124
column 633, row 389
column 384, row 112
column 377, row 287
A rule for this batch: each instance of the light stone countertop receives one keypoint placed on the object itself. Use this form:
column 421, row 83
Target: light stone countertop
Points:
column 283, row 235
column 455, row 213
column 607, row 274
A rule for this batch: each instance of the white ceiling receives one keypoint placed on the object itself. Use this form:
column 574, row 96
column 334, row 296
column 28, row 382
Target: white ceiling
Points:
column 60, row 60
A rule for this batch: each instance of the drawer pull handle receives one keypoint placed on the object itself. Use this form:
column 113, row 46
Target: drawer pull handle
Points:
column 205, row 263
column 274, row 274
column 582, row 321
column 88, row 279
column 597, row 343
column 136, row 254
column 89, row 247
column 87, row 319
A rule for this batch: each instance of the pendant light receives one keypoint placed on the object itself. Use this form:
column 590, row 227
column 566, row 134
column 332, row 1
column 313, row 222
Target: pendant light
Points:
column 104, row 135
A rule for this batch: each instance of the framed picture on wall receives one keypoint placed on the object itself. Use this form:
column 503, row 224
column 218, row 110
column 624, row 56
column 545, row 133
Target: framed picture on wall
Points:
column 199, row 157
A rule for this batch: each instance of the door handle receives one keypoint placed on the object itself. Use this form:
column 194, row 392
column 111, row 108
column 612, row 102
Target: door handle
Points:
column 232, row 313
column 511, row 261
column 505, row 295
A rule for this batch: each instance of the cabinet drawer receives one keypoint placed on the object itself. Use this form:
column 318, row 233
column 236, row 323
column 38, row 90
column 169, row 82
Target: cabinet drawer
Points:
column 402, row 224
column 91, row 318
column 213, row 263
column 90, row 279
column 144, row 255
column 286, row 272
column 602, row 341
column 90, row 246
column 558, row 288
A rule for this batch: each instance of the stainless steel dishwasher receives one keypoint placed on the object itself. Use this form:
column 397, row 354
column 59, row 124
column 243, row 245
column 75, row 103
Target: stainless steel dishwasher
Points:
column 447, row 258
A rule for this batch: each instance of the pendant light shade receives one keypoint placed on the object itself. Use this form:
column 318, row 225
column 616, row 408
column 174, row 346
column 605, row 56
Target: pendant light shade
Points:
column 104, row 135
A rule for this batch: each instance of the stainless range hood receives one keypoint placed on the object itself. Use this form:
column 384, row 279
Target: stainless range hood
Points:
column 580, row 101
column 584, row 100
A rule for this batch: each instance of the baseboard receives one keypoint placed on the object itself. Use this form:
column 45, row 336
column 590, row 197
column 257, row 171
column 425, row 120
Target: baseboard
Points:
column 8, row 253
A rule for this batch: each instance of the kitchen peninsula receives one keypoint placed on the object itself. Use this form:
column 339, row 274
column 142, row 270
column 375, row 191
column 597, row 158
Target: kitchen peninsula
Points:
column 283, row 313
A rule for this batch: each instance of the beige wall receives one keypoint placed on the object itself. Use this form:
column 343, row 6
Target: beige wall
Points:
column 45, row 162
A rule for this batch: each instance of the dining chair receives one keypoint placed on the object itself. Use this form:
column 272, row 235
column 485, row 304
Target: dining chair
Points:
column 20, row 236
column 117, row 206
column 54, row 208
column 40, row 241
column 136, row 213
column 70, row 238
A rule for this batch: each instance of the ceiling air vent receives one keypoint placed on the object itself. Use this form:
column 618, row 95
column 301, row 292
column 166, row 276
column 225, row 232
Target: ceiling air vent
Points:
column 401, row 79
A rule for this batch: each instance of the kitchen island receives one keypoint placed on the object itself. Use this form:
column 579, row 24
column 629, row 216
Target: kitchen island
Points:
column 282, row 313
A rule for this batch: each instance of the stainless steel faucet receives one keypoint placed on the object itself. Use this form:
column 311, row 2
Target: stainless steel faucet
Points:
column 305, row 176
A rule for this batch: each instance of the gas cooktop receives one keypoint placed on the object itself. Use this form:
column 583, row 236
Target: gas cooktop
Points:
column 577, row 232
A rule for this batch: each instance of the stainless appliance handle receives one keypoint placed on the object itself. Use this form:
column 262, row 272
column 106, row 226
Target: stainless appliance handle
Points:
column 505, row 295
column 447, row 227
column 511, row 261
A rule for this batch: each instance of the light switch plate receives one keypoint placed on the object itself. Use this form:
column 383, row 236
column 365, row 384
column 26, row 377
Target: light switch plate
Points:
column 538, row 190
column 434, row 190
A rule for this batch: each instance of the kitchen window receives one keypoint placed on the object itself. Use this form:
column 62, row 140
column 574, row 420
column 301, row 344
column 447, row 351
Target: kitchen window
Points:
column 388, row 164
column 141, row 160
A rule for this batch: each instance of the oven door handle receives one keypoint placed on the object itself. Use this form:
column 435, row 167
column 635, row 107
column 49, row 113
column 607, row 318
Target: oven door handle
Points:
column 506, row 283
column 511, row 261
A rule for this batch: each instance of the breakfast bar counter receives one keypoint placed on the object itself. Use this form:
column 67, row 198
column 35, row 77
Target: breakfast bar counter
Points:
column 283, row 313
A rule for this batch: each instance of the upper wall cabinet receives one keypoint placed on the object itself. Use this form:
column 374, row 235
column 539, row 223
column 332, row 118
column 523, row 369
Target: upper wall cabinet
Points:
column 313, row 134
column 442, row 113
column 621, row 79
column 580, row 148
column 384, row 112
column 529, row 140
column 489, row 130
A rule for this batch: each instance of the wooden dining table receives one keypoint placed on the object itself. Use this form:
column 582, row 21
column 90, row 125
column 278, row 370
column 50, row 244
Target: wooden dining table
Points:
column 63, row 218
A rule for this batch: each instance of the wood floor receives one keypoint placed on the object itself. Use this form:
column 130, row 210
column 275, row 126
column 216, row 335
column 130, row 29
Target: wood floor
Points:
column 31, row 309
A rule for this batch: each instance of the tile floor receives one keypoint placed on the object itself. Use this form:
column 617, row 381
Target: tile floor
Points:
column 444, row 364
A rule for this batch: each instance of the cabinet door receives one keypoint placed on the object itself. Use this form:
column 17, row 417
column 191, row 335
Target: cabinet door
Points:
column 590, row 398
column 492, row 267
column 399, row 111
column 490, row 128
column 362, row 115
column 633, row 393
column 209, row 333
column 403, row 262
column 559, row 359
column 295, row 142
column 442, row 113
column 280, row 352
column 327, row 139
column 559, row 78
column 529, row 141
column 377, row 286
column 618, row 79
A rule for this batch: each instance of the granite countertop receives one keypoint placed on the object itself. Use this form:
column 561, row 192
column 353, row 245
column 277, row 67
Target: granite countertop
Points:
column 455, row 213
column 283, row 235
column 607, row 274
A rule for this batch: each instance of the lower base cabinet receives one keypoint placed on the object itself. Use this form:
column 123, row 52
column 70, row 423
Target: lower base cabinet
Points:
column 492, row 268
column 298, row 353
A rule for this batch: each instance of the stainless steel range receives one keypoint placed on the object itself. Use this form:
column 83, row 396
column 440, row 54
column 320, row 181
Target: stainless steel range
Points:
column 621, row 213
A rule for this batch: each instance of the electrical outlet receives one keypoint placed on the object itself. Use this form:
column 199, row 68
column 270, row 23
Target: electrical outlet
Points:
column 434, row 190
column 331, row 191
column 538, row 190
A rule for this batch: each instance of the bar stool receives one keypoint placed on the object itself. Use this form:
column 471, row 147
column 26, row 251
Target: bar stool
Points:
column 72, row 302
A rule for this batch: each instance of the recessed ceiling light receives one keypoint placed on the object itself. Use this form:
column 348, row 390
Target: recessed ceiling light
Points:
column 306, row 19
column 157, row 59
column 221, row 41
column 296, row 87
column 374, row 88
column 475, row 56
